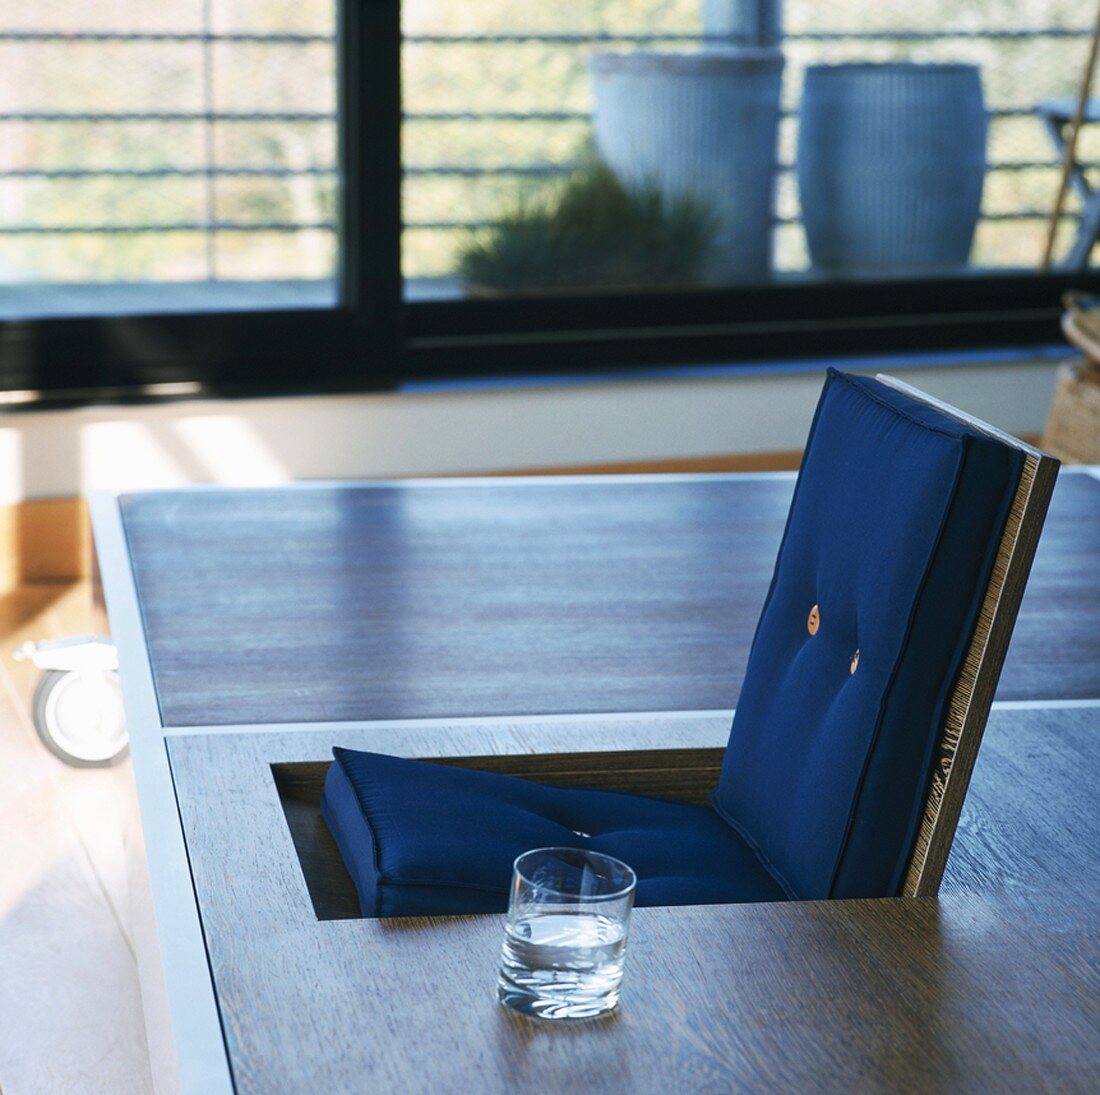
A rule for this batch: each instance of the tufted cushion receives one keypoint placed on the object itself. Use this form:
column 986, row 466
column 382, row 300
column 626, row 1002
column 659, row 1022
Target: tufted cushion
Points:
column 424, row 839
column 888, row 550
column 892, row 534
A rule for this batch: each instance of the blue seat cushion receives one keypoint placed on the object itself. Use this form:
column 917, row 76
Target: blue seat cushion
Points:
column 890, row 543
column 422, row 839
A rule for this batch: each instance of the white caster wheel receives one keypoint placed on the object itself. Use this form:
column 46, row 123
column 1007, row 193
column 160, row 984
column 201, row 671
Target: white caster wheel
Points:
column 77, row 705
column 78, row 715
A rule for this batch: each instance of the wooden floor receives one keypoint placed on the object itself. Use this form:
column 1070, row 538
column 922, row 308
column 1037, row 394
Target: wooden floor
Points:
column 70, row 1009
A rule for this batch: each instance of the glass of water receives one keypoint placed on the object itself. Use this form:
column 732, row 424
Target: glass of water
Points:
column 565, row 938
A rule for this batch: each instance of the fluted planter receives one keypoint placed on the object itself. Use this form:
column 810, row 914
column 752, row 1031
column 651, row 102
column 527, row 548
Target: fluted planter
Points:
column 891, row 162
column 703, row 124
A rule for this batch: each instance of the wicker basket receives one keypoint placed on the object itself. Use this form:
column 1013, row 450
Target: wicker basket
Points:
column 1073, row 429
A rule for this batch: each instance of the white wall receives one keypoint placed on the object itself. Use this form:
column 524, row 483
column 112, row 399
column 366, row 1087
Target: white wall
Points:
column 267, row 441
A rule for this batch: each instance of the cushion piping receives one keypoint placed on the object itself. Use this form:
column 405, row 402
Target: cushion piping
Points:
column 338, row 836
column 375, row 850
column 772, row 870
column 960, row 653
column 447, row 883
column 898, row 659
column 897, row 410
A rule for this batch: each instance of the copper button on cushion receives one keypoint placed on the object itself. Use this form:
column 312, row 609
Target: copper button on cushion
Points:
column 814, row 622
column 855, row 662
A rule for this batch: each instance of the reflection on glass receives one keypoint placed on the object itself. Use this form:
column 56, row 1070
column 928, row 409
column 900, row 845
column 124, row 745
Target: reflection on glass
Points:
column 813, row 140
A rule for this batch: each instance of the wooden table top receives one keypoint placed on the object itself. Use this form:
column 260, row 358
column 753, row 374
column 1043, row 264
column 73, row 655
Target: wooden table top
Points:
column 322, row 604
column 995, row 986
column 240, row 612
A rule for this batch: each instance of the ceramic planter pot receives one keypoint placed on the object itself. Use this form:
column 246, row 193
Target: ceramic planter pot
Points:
column 704, row 124
column 891, row 162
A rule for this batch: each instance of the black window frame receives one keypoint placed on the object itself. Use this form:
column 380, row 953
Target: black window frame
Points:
column 373, row 339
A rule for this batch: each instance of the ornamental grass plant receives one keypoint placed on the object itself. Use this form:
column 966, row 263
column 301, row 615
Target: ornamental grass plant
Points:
column 591, row 232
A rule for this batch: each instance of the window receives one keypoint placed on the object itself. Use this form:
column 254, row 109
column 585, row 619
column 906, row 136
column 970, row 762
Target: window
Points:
column 503, row 101
column 259, row 195
column 167, row 157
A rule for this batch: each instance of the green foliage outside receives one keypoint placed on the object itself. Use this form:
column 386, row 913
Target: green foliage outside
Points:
column 591, row 232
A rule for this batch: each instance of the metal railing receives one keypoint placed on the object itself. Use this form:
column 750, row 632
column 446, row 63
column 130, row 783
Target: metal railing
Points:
column 211, row 224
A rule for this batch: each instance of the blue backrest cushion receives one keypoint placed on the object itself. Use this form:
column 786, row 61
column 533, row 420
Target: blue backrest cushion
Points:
column 893, row 529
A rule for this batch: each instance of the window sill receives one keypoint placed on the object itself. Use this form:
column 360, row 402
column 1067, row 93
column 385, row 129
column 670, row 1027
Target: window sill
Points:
column 951, row 359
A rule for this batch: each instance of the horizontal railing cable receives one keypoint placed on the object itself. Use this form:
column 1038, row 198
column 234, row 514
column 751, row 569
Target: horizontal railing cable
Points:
column 564, row 39
column 415, row 170
column 182, row 226
column 328, row 226
column 318, row 116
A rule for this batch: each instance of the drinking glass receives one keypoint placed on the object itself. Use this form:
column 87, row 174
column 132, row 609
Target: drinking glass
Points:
column 565, row 936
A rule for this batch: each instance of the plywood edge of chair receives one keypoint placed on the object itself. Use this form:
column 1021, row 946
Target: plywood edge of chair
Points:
column 972, row 696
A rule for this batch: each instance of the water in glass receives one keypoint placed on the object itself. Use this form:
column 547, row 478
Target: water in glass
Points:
column 563, row 965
